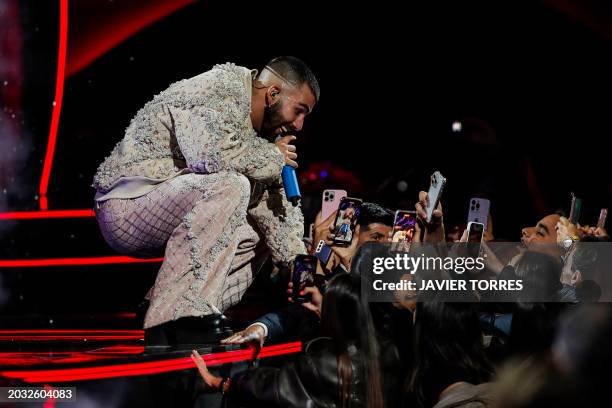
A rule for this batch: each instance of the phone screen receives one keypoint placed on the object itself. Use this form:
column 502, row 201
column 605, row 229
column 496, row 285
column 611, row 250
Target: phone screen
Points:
column 304, row 269
column 403, row 230
column 346, row 220
column 403, row 226
column 475, row 233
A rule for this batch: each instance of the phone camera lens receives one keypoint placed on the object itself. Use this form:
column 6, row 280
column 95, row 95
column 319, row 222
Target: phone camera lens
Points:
column 473, row 208
column 478, row 205
column 473, row 202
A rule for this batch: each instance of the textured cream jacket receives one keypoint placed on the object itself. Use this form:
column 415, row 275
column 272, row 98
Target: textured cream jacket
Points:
column 203, row 125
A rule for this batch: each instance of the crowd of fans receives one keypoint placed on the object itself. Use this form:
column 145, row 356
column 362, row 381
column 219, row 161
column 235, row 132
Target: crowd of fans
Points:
column 443, row 350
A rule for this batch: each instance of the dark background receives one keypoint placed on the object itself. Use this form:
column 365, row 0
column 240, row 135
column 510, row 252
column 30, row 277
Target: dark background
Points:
column 530, row 80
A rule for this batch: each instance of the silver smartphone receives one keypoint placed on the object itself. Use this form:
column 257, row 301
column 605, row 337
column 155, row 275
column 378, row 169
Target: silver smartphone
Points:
column 436, row 186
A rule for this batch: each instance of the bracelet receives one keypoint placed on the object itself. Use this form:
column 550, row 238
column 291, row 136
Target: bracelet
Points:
column 225, row 385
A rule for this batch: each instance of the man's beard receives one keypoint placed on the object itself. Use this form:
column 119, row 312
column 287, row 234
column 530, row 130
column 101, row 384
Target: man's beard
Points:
column 272, row 120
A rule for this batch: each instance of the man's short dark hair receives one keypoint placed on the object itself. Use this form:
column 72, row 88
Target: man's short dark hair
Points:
column 585, row 258
column 371, row 213
column 296, row 72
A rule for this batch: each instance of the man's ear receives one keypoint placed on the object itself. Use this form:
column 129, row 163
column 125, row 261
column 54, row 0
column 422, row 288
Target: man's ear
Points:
column 272, row 95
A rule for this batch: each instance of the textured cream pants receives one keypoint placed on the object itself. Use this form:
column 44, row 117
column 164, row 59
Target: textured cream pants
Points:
column 211, row 248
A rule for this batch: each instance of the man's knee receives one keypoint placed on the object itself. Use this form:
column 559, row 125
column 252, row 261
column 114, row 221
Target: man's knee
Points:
column 239, row 181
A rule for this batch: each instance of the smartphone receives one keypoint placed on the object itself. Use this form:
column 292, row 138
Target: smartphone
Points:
column 436, row 186
column 330, row 201
column 323, row 252
column 311, row 231
column 404, row 226
column 479, row 210
column 575, row 209
column 346, row 220
column 475, row 235
column 475, row 232
column 603, row 214
column 304, row 270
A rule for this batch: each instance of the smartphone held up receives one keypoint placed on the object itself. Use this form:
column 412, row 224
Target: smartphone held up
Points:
column 304, row 270
column 346, row 221
column 436, row 186
column 404, row 226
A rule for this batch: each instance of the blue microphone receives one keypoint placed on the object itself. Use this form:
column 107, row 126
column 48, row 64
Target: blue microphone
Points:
column 292, row 188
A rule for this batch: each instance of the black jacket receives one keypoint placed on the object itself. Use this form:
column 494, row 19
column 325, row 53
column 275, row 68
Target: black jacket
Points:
column 312, row 381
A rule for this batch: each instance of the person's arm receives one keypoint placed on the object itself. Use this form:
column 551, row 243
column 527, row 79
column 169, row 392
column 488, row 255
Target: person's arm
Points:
column 274, row 327
column 434, row 237
column 263, row 386
column 211, row 141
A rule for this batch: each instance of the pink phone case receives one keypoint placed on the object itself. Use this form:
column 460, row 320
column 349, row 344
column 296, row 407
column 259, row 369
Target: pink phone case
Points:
column 330, row 202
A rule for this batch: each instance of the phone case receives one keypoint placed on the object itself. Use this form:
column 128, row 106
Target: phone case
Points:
column 330, row 201
column 603, row 214
column 323, row 252
column 435, row 192
column 575, row 208
column 479, row 210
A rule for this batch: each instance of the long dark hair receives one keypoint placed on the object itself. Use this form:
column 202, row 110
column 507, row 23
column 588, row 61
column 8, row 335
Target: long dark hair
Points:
column 541, row 275
column 448, row 347
column 537, row 309
column 346, row 318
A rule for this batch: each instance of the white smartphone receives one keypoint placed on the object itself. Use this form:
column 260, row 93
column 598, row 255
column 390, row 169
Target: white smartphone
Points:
column 479, row 210
column 330, row 202
column 436, row 186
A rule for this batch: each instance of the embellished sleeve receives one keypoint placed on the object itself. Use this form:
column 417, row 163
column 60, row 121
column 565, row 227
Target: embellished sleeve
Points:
column 282, row 225
column 211, row 141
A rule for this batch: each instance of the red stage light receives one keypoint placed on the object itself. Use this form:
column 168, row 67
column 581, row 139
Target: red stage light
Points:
column 31, row 215
column 146, row 368
column 104, row 260
column 57, row 104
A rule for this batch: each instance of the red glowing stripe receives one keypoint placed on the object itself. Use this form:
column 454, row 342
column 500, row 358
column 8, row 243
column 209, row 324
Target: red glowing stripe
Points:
column 38, row 357
column 53, row 338
column 71, row 331
column 50, row 403
column 57, row 104
column 111, row 26
column 104, row 260
column 31, row 215
column 148, row 368
column 181, row 365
